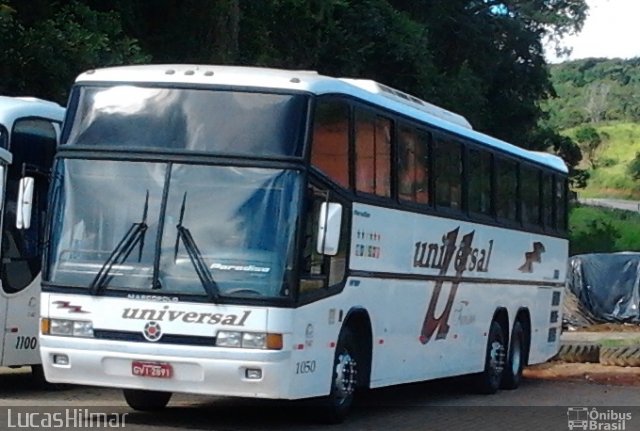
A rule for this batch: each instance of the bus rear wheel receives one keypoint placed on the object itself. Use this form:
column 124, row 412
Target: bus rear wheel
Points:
column 488, row 381
column 146, row 401
column 344, row 379
column 515, row 362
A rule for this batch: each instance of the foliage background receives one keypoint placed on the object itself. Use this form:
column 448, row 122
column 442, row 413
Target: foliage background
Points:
column 480, row 58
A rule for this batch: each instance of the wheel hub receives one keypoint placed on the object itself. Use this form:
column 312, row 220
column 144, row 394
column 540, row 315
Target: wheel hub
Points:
column 497, row 355
column 346, row 376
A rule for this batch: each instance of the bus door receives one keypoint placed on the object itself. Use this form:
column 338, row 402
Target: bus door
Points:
column 32, row 145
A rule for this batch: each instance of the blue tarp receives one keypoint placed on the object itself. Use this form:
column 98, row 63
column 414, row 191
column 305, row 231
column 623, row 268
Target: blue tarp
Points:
column 607, row 286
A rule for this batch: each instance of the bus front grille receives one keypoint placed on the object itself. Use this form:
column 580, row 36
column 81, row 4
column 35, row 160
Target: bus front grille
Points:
column 131, row 336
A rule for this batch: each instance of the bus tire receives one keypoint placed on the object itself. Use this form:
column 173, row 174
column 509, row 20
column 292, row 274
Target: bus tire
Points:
column 488, row 381
column 344, row 379
column 146, row 401
column 515, row 361
column 40, row 381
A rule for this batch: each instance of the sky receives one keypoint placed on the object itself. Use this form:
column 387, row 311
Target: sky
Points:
column 611, row 30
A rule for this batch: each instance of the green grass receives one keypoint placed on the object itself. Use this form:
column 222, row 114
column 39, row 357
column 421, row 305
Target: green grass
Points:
column 619, row 343
column 621, row 142
column 603, row 230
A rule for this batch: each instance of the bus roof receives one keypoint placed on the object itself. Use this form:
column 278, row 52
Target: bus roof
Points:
column 312, row 82
column 12, row 108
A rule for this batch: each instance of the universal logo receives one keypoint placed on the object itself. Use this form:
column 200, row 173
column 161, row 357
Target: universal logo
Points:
column 464, row 257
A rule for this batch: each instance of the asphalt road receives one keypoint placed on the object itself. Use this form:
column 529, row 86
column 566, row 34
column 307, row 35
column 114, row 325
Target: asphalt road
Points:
column 442, row 405
column 613, row 203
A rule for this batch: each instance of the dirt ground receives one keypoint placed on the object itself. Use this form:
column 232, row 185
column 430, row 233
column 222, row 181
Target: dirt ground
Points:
column 590, row 372
column 593, row 373
column 611, row 327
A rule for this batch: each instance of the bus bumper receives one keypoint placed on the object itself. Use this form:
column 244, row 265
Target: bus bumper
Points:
column 195, row 369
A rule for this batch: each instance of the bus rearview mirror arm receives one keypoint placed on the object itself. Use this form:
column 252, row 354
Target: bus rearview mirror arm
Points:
column 25, row 203
column 329, row 226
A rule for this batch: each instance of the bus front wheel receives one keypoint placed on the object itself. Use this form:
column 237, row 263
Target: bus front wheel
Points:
column 344, row 379
column 146, row 401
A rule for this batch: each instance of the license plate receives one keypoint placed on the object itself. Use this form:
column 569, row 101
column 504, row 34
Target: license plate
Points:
column 160, row 370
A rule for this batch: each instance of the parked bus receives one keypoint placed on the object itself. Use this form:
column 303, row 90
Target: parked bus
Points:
column 29, row 132
column 281, row 234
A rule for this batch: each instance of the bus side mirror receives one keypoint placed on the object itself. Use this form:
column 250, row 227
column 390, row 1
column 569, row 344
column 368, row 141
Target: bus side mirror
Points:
column 329, row 226
column 25, row 203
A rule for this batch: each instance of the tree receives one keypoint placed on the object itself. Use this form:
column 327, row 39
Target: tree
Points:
column 597, row 100
column 589, row 141
column 634, row 167
column 43, row 57
column 547, row 139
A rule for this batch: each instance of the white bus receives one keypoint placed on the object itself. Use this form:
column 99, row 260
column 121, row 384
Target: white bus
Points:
column 29, row 132
column 281, row 234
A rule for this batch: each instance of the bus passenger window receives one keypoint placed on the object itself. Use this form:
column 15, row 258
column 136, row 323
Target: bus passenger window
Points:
column 479, row 198
column 330, row 142
column 561, row 204
column 530, row 195
column 448, row 167
column 548, row 201
column 413, row 176
column 506, row 183
column 373, row 154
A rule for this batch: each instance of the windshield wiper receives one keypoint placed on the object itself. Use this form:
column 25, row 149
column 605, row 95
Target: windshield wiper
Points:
column 208, row 283
column 134, row 236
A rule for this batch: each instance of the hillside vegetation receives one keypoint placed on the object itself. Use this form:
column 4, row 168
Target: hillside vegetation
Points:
column 598, row 106
column 592, row 91
column 610, row 164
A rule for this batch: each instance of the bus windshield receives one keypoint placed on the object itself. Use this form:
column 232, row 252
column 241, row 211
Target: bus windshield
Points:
column 173, row 228
column 214, row 121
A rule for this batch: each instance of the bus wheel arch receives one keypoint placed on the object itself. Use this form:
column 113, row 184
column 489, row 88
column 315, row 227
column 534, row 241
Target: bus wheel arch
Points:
column 359, row 323
column 351, row 366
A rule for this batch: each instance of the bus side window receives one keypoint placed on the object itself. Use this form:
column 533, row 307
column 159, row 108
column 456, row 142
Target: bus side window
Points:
column 448, row 167
column 373, row 154
column 330, row 142
column 320, row 271
column 33, row 145
column 530, row 195
column 561, row 204
column 479, row 165
column 413, row 174
column 506, row 184
column 548, row 202
column 4, row 137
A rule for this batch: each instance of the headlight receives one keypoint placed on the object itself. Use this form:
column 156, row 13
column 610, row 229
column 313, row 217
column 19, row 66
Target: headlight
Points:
column 67, row 328
column 229, row 339
column 249, row 340
column 252, row 340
